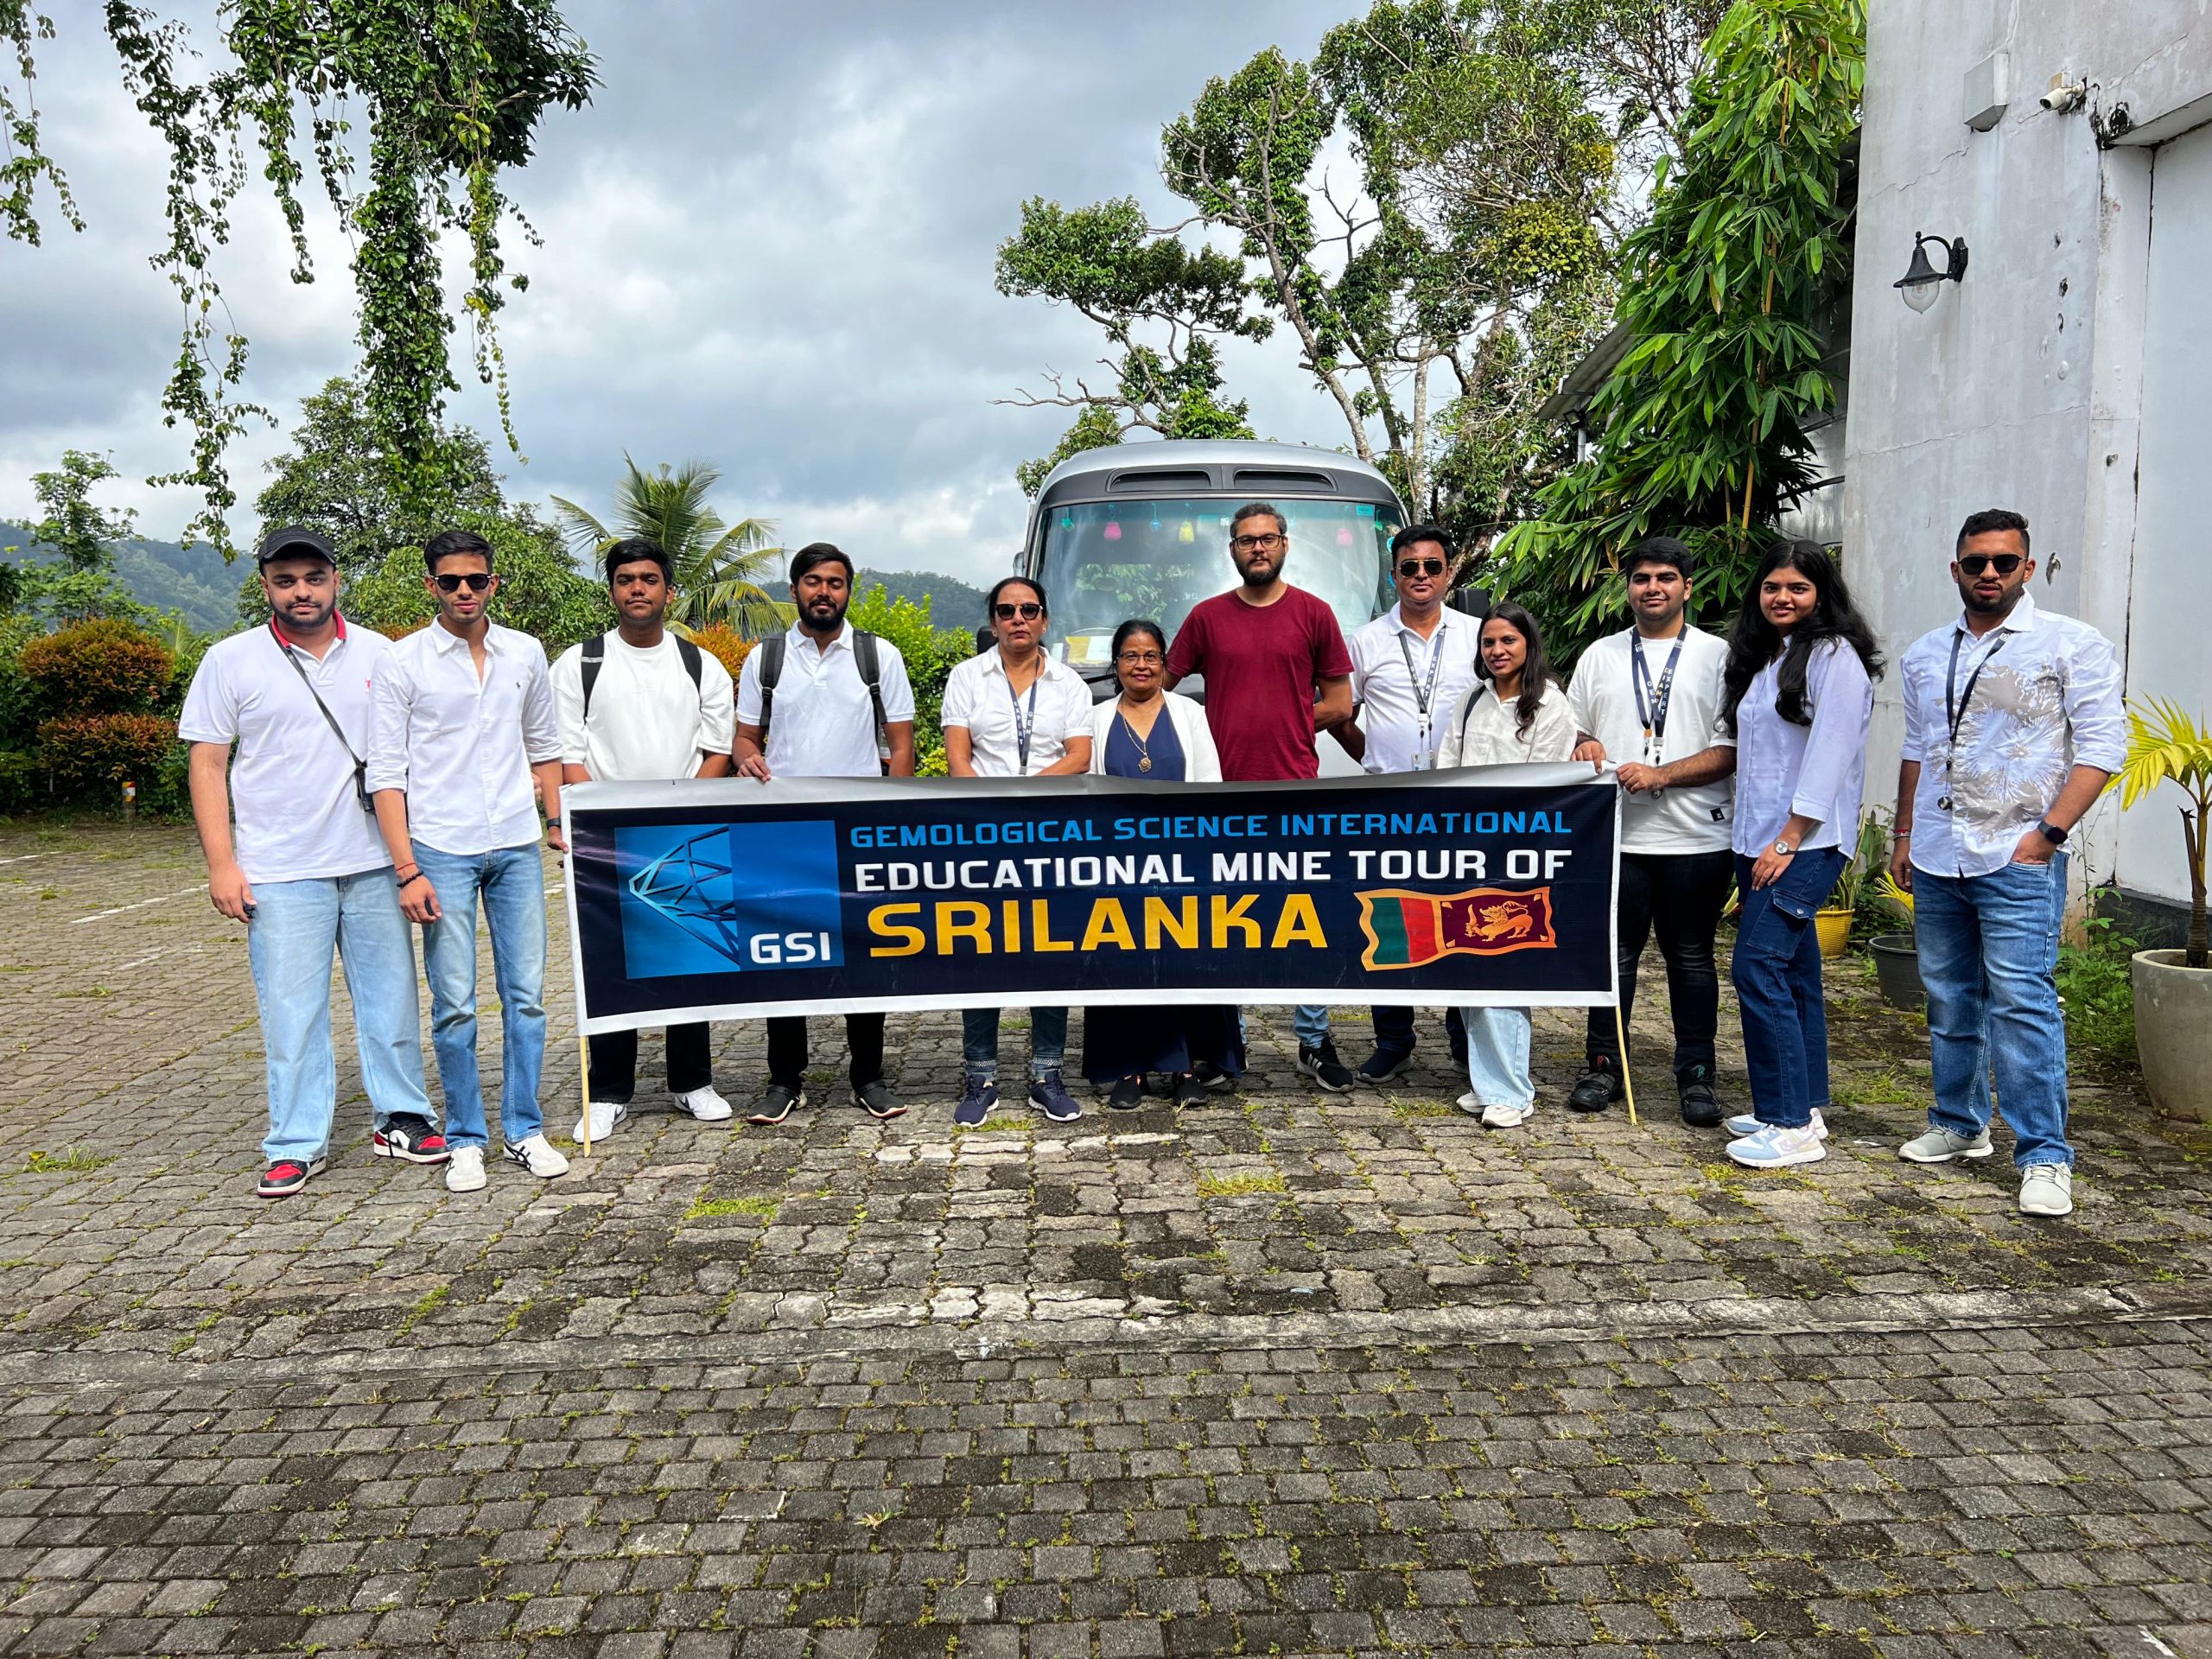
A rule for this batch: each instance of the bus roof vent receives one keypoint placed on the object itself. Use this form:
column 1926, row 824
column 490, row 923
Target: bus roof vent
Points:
column 1261, row 480
column 1154, row 479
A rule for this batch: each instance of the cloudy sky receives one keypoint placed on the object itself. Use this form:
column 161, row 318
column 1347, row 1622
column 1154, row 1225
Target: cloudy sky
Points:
column 768, row 243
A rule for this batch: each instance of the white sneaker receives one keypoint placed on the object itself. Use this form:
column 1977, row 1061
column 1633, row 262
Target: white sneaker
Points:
column 1939, row 1145
column 465, row 1170
column 1774, row 1147
column 1469, row 1105
column 536, row 1154
column 705, row 1105
column 1507, row 1117
column 1748, row 1123
column 2047, row 1190
column 605, row 1120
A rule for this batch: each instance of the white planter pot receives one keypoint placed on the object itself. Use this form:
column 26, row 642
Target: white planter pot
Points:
column 2173, row 1032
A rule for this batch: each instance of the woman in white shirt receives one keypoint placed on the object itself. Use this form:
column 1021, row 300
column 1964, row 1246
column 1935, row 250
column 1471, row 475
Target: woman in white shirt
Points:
column 1800, row 693
column 1015, row 712
column 1515, row 715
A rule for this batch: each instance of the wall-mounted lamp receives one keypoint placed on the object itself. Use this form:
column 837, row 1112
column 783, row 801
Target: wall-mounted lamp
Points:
column 1922, row 283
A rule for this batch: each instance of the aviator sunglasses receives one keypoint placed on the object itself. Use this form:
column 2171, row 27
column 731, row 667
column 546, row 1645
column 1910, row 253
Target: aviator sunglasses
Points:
column 1411, row 567
column 1008, row 611
column 1974, row 563
column 475, row 580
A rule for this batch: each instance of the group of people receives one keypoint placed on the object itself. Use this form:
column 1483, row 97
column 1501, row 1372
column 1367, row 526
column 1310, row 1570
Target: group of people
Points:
column 379, row 783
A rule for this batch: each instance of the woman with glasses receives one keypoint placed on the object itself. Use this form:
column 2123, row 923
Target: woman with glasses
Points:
column 1014, row 711
column 1152, row 735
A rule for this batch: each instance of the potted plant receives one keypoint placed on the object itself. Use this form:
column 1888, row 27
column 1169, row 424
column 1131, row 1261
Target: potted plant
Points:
column 2173, row 988
column 1833, row 920
column 1896, row 956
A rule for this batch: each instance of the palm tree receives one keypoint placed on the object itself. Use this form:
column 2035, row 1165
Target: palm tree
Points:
column 718, row 567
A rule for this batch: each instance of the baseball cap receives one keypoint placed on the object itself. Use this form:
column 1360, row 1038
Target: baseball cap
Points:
column 294, row 542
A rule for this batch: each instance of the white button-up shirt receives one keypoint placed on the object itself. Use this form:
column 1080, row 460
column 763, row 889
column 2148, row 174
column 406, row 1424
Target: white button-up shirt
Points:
column 2048, row 698
column 978, row 695
column 462, row 746
column 1481, row 731
column 822, row 721
column 1393, row 671
column 1784, row 769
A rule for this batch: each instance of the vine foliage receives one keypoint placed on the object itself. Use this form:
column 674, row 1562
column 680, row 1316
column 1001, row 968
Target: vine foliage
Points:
column 404, row 112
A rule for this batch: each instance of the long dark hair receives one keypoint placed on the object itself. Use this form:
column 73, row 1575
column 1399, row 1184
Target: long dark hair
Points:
column 1753, row 640
column 1536, row 673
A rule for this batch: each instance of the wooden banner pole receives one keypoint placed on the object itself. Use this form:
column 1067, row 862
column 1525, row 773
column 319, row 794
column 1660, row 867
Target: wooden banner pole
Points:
column 1627, row 1084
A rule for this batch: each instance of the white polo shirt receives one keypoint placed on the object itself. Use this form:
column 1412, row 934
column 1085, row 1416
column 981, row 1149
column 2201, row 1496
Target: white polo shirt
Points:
column 460, row 745
column 291, row 780
column 648, row 721
column 978, row 696
column 822, row 722
column 1393, row 671
column 1601, row 696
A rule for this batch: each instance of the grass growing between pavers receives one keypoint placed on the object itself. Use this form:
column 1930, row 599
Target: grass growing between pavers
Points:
column 761, row 1205
column 70, row 1161
column 1238, row 1186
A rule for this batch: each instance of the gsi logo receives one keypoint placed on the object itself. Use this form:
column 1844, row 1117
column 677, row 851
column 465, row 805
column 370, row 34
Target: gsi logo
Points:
column 788, row 950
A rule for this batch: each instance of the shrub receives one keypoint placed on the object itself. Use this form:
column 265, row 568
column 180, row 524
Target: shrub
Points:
column 725, row 643
column 95, row 751
column 930, row 653
column 103, row 666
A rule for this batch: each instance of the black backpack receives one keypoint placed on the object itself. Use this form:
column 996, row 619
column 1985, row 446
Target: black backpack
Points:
column 864, row 657
column 594, row 658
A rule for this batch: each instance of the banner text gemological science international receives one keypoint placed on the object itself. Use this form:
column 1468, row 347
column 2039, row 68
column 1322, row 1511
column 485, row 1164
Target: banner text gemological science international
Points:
column 728, row 899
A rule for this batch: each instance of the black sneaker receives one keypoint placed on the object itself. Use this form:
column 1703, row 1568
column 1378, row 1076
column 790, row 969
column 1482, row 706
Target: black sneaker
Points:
column 1127, row 1095
column 1325, row 1068
column 1700, row 1106
column 978, row 1099
column 1383, row 1064
column 1210, row 1075
column 411, row 1139
column 287, row 1175
column 1190, row 1090
column 877, row 1100
column 1595, row 1089
column 778, row 1104
column 1049, row 1096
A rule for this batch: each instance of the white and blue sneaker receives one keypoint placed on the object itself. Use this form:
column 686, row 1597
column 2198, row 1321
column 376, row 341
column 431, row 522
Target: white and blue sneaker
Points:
column 1775, row 1147
column 978, row 1100
column 1748, row 1123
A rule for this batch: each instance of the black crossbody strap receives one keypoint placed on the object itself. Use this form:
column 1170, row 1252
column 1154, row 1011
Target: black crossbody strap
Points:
column 298, row 668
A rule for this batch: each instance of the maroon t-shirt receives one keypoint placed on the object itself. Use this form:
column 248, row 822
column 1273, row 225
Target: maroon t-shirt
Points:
column 1261, row 664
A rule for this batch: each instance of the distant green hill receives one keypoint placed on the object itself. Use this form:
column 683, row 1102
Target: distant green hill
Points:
column 954, row 604
column 193, row 580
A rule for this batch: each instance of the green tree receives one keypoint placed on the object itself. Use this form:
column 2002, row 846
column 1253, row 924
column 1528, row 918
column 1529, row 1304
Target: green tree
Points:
column 73, row 526
column 411, row 109
column 719, row 565
column 1701, row 429
column 540, row 591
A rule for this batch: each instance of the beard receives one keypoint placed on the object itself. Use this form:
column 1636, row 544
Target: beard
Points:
column 813, row 616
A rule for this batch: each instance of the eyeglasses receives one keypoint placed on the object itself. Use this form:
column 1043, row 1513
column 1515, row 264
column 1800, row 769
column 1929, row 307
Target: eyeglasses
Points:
column 1974, row 563
column 1028, row 612
column 1139, row 659
column 1411, row 567
column 476, row 582
column 1256, row 544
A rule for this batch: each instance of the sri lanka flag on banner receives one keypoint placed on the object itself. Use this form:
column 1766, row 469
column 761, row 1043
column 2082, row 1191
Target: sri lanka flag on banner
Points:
column 1410, row 929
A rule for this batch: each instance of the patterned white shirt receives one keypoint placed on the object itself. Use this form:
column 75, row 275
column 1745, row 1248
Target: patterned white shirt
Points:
column 2046, row 699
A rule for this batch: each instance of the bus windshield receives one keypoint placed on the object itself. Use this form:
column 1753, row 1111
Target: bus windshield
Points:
column 1107, row 561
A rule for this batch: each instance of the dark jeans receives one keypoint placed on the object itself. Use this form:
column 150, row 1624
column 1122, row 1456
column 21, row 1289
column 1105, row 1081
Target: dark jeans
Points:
column 1394, row 1029
column 1680, row 896
column 614, row 1064
column 787, row 1049
column 1777, row 968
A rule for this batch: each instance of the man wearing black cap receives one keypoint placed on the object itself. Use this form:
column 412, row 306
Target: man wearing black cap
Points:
column 305, row 868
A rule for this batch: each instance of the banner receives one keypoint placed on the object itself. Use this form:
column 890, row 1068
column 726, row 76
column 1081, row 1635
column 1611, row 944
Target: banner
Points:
column 728, row 899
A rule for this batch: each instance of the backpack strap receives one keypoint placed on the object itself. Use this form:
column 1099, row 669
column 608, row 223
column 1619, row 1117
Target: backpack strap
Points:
column 772, row 670
column 592, row 660
column 689, row 653
column 865, row 658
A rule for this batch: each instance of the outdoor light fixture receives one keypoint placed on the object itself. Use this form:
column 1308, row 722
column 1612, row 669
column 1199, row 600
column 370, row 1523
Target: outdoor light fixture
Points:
column 1922, row 283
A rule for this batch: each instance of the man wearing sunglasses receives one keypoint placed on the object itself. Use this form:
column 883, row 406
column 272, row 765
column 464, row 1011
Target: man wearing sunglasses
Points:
column 1409, row 666
column 2013, row 723
column 464, row 717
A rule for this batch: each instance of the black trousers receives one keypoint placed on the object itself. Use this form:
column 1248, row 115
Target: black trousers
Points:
column 1394, row 1029
column 614, row 1064
column 787, row 1048
column 1679, row 896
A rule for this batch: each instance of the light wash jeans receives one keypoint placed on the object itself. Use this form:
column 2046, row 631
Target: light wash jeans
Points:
column 1311, row 1025
column 1497, row 1057
column 511, row 882
column 295, row 927
column 979, row 1041
column 1988, row 952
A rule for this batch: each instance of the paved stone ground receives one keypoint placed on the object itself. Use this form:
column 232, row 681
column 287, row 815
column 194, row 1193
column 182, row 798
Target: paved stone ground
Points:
column 1289, row 1374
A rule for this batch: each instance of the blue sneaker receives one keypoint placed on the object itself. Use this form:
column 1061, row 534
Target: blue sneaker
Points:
column 1049, row 1096
column 977, row 1100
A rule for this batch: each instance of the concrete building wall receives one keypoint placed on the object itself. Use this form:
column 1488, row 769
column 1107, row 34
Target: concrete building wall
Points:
column 2025, row 386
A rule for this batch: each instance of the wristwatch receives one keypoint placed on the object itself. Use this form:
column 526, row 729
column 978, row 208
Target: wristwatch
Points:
column 1784, row 849
column 2051, row 833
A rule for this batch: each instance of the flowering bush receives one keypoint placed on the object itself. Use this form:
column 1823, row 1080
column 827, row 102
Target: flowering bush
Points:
column 96, row 752
column 103, row 666
column 719, row 639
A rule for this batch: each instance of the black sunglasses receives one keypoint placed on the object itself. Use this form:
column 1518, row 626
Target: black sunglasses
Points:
column 1411, row 567
column 1974, row 563
column 1007, row 612
column 475, row 580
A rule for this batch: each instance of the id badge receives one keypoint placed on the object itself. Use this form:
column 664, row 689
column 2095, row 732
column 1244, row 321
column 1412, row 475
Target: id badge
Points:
column 1423, row 760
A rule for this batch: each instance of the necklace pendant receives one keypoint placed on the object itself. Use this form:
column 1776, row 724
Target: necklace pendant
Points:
column 1144, row 763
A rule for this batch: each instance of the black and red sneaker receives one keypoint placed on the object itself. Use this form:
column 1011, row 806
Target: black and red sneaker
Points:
column 410, row 1138
column 287, row 1175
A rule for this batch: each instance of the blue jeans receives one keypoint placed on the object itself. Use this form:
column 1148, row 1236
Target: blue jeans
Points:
column 1311, row 1025
column 1988, row 952
column 1778, row 973
column 1497, row 1057
column 511, row 882
column 979, row 1041
column 295, row 927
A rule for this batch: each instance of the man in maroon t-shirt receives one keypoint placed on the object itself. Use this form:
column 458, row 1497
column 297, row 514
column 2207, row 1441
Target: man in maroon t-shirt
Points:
column 1265, row 649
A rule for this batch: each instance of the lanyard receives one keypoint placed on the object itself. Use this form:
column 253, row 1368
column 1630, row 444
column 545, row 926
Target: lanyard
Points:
column 1423, row 695
column 1651, row 700
column 1955, row 705
column 1023, row 729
